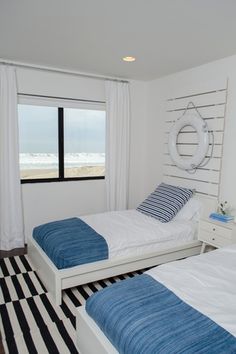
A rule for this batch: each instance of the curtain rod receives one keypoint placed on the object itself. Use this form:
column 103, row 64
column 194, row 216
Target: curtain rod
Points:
column 60, row 71
column 60, row 98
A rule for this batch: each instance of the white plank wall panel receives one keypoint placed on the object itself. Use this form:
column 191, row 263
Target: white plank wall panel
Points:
column 210, row 99
column 207, row 99
column 188, row 150
column 192, row 138
column 187, row 90
column 216, row 124
column 213, row 163
column 200, row 186
column 200, row 174
column 208, row 112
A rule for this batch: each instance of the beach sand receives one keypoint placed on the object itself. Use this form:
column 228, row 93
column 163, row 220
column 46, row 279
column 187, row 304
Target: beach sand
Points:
column 84, row 171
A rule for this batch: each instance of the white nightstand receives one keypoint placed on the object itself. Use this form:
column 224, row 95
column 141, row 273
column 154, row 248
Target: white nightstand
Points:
column 216, row 233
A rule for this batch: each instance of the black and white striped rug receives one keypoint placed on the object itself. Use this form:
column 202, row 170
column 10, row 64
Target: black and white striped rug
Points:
column 30, row 321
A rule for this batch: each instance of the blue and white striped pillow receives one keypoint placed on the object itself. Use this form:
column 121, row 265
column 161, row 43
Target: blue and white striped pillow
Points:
column 165, row 202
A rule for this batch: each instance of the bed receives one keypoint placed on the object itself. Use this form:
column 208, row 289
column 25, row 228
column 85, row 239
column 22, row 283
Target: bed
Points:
column 189, row 305
column 135, row 241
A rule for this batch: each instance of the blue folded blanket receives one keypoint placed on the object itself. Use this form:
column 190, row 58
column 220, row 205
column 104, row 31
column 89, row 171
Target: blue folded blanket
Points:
column 70, row 242
column 221, row 217
column 142, row 316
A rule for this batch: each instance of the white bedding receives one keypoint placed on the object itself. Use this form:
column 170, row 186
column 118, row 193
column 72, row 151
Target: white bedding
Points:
column 131, row 233
column 206, row 282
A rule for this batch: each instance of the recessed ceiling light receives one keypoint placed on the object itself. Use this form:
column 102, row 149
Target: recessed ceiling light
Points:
column 129, row 59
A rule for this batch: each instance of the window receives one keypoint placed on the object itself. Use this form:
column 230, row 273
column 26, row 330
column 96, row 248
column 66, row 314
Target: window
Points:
column 84, row 131
column 61, row 143
column 38, row 127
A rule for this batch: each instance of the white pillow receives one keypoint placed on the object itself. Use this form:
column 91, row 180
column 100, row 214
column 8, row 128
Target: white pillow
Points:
column 190, row 211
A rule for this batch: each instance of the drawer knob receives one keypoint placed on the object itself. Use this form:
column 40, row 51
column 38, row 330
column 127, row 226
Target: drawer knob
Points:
column 214, row 229
column 213, row 239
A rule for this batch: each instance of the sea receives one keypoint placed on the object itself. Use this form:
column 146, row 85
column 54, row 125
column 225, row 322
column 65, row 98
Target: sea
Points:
column 31, row 161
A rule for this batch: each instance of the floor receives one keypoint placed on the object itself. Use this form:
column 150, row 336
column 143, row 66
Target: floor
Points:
column 3, row 254
column 30, row 321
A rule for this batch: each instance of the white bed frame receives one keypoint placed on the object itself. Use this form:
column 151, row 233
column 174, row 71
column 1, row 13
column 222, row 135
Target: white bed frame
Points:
column 55, row 280
column 89, row 336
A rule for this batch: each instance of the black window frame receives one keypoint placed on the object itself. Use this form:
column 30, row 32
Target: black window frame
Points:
column 61, row 171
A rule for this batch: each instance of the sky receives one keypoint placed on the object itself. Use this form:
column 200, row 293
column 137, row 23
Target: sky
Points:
column 84, row 130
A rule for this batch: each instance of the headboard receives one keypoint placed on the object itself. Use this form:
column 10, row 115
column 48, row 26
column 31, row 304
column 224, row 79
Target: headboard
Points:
column 210, row 99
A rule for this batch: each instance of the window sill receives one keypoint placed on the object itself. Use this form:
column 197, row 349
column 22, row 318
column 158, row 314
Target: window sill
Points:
column 66, row 179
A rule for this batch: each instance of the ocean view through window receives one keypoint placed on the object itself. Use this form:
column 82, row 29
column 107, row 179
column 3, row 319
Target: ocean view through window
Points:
column 84, row 142
column 58, row 143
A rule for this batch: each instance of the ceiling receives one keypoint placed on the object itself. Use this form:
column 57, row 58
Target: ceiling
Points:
column 165, row 36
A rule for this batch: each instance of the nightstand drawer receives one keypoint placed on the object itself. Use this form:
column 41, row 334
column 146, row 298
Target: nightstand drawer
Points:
column 213, row 239
column 216, row 229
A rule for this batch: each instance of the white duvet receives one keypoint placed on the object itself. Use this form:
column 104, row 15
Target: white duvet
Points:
column 206, row 282
column 131, row 233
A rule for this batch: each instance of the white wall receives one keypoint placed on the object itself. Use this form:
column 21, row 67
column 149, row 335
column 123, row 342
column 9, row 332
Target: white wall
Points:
column 159, row 90
column 50, row 201
column 57, row 84
column 44, row 202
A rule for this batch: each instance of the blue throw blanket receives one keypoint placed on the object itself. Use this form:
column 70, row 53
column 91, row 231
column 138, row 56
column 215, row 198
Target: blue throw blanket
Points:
column 70, row 242
column 141, row 316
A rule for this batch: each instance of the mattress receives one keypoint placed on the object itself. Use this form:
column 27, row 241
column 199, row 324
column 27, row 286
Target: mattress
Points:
column 205, row 282
column 92, row 238
column 142, row 316
column 130, row 233
column 190, row 307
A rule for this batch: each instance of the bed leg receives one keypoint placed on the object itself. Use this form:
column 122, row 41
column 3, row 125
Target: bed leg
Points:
column 57, row 296
column 203, row 248
column 58, row 299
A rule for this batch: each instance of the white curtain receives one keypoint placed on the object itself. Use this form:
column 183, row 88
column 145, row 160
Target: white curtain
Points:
column 11, row 219
column 117, row 144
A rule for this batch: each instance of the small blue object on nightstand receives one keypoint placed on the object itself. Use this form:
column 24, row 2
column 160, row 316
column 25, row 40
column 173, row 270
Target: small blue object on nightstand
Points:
column 221, row 217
